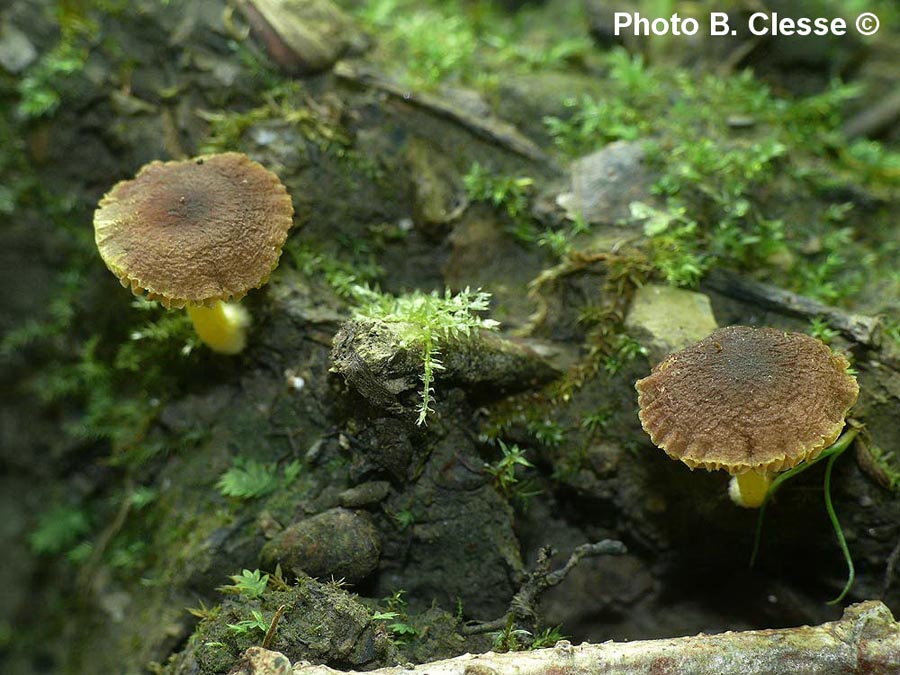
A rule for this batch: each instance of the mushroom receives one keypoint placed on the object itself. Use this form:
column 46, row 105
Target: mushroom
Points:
column 751, row 401
column 194, row 234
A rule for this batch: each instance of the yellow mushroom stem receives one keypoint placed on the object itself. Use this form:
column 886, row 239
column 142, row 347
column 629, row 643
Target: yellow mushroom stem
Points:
column 749, row 489
column 222, row 327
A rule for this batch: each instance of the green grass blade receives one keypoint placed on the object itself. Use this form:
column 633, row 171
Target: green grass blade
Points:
column 833, row 451
column 842, row 541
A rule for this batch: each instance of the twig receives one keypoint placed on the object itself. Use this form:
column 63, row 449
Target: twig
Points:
column 524, row 603
column 860, row 328
column 491, row 129
column 889, row 567
column 273, row 626
column 875, row 119
column 87, row 575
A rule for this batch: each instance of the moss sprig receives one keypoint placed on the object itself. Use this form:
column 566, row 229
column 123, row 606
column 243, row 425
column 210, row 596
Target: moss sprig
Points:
column 427, row 322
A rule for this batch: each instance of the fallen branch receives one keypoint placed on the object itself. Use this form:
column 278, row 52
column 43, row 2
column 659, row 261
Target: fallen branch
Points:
column 861, row 329
column 491, row 129
column 865, row 640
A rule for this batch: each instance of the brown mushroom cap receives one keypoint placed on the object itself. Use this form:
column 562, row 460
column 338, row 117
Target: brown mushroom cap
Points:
column 194, row 231
column 747, row 399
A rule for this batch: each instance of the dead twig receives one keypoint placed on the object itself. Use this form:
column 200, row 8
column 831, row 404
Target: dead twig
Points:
column 875, row 119
column 89, row 572
column 889, row 568
column 861, row 329
column 273, row 626
column 489, row 128
column 523, row 608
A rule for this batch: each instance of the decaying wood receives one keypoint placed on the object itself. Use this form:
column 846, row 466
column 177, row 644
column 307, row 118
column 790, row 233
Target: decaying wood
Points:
column 866, row 640
column 861, row 329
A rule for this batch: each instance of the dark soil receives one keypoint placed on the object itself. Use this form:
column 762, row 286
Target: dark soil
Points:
column 387, row 541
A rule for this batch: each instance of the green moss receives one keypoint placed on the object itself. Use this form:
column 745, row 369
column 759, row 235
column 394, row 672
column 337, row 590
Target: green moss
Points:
column 505, row 472
column 427, row 44
column 547, row 432
column 340, row 275
column 426, row 322
column 547, row 638
column 395, row 617
column 436, row 44
column 319, row 622
column 119, row 387
column 891, row 329
column 886, row 466
column 729, row 153
column 39, row 89
column 596, row 421
column 635, row 92
column 110, row 384
column 819, row 329
column 256, row 626
column 249, row 479
column 58, row 529
column 515, row 639
column 284, row 103
column 511, row 196
column 50, row 79
column 593, row 123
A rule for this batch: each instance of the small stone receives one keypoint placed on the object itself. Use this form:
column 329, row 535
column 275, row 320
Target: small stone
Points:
column 301, row 36
column 366, row 494
column 740, row 121
column 259, row 661
column 337, row 543
column 438, row 197
column 604, row 457
column 666, row 319
column 601, row 18
column 267, row 524
column 606, row 182
column 16, row 51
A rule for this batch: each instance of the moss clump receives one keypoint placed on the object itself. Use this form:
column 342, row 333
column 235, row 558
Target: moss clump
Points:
column 425, row 322
column 441, row 43
column 281, row 103
column 319, row 622
column 733, row 159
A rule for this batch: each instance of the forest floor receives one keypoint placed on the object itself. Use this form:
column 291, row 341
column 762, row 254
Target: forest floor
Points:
column 506, row 190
